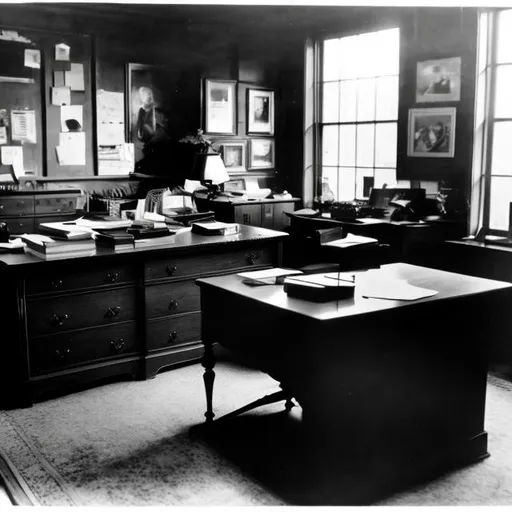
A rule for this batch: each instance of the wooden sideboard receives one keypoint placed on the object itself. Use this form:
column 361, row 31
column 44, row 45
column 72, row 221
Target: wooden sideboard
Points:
column 70, row 322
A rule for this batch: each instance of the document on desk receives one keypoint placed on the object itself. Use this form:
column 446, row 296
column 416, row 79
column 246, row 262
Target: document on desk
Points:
column 270, row 276
column 351, row 240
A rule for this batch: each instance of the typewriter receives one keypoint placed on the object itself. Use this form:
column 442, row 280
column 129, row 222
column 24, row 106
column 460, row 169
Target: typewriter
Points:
column 352, row 210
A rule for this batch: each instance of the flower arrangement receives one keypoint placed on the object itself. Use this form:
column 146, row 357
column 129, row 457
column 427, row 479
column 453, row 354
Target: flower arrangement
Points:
column 197, row 141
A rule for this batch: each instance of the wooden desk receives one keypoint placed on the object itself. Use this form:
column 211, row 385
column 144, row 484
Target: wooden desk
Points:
column 73, row 321
column 394, row 389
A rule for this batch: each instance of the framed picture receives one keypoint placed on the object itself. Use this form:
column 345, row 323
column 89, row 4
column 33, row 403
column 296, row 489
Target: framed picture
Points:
column 234, row 155
column 220, row 107
column 261, row 155
column 146, row 120
column 260, row 112
column 431, row 132
column 438, row 80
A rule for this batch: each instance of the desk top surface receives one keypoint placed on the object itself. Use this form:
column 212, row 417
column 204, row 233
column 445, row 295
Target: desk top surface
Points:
column 448, row 285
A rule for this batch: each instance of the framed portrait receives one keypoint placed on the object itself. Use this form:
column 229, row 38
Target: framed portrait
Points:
column 260, row 112
column 261, row 154
column 146, row 120
column 234, row 155
column 431, row 132
column 438, row 80
column 219, row 98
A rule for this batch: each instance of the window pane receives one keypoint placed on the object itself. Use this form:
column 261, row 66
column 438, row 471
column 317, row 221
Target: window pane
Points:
column 347, row 178
column 365, row 145
column 366, row 55
column 349, row 57
column 364, row 183
column 480, row 98
column 385, row 177
column 330, row 145
column 387, row 52
column 501, row 197
column 348, row 99
column 385, row 145
column 348, row 145
column 366, row 99
column 387, row 98
column 331, row 65
column 503, row 104
column 502, row 139
column 504, row 49
column 330, row 102
column 329, row 190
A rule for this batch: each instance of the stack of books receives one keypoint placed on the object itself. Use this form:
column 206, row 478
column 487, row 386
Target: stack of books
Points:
column 115, row 239
column 215, row 228
column 320, row 287
column 65, row 231
column 48, row 248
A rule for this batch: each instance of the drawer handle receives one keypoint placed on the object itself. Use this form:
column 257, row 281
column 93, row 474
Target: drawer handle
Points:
column 118, row 344
column 112, row 277
column 173, row 336
column 57, row 284
column 58, row 319
column 171, row 269
column 62, row 354
column 252, row 257
column 112, row 312
column 173, row 304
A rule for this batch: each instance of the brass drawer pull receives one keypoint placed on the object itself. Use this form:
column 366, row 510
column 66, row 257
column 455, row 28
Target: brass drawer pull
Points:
column 62, row 354
column 57, row 284
column 118, row 344
column 58, row 319
column 171, row 269
column 112, row 277
column 173, row 304
column 252, row 257
column 112, row 312
column 173, row 336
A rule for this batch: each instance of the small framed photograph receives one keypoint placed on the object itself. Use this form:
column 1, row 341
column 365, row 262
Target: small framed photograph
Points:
column 260, row 112
column 234, row 155
column 431, row 132
column 220, row 107
column 438, row 80
column 262, row 154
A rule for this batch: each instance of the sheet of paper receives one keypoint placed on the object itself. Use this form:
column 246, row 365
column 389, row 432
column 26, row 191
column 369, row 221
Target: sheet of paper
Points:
column 71, row 117
column 3, row 135
column 110, row 134
column 58, row 78
column 23, row 125
column 13, row 155
column 32, row 58
column 110, row 107
column 251, row 184
column 62, row 51
column 71, row 148
column 74, row 78
column 351, row 240
column 61, row 96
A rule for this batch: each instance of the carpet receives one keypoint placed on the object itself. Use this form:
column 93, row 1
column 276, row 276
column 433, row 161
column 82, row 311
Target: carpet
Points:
column 129, row 444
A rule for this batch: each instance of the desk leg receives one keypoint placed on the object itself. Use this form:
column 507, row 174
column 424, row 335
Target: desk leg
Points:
column 208, row 363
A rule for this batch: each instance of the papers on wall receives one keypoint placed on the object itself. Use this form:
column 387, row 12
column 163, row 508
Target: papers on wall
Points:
column 71, row 148
column 110, row 134
column 58, row 78
column 74, row 78
column 32, row 58
column 116, row 160
column 3, row 135
column 71, row 118
column 13, row 155
column 12, row 35
column 23, row 125
column 110, row 107
column 61, row 96
column 62, row 51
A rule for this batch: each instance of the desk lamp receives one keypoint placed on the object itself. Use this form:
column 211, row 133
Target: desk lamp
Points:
column 209, row 169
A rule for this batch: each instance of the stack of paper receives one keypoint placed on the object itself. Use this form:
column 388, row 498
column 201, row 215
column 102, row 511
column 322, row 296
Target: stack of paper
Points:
column 351, row 240
column 270, row 276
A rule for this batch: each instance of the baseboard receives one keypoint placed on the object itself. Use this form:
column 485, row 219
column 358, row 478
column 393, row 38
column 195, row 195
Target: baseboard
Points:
column 13, row 484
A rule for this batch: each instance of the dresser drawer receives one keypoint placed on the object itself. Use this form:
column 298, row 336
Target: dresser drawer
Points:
column 207, row 263
column 64, row 280
column 65, row 313
column 172, row 298
column 52, row 353
column 15, row 206
column 173, row 331
column 55, row 204
column 19, row 225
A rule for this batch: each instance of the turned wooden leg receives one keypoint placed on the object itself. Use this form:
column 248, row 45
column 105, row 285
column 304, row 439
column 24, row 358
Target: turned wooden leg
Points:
column 288, row 405
column 208, row 363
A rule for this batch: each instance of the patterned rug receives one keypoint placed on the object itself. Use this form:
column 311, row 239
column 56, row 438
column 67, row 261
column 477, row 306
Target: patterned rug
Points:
column 128, row 444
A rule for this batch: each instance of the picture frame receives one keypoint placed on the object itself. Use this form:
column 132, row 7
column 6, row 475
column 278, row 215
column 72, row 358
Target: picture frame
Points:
column 262, row 154
column 144, row 105
column 438, row 80
column 431, row 132
column 219, row 105
column 260, row 111
column 234, row 155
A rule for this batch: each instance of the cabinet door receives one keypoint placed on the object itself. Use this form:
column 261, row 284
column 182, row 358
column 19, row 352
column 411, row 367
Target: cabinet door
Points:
column 281, row 220
column 267, row 220
column 249, row 214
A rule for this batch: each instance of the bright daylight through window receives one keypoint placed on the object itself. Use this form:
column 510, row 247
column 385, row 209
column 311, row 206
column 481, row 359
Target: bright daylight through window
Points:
column 359, row 114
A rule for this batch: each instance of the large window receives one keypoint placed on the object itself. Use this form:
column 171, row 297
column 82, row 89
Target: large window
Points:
column 492, row 191
column 358, row 113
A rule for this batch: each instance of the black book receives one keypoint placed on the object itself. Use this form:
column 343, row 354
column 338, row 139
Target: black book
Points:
column 113, row 238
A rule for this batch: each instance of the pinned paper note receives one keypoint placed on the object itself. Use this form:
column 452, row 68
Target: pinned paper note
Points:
column 71, row 117
column 3, row 135
column 13, row 155
column 32, row 58
column 23, row 125
column 71, row 148
column 62, row 51
column 61, row 96
column 58, row 78
column 110, row 134
column 110, row 107
column 74, row 78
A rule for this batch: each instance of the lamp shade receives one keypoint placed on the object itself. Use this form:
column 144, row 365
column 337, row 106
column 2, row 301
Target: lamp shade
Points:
column 209, row 167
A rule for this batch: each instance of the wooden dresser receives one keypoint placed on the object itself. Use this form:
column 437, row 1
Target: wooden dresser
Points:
column 74, row 321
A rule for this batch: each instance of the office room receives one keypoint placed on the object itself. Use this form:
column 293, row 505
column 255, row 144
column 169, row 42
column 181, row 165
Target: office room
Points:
column 255, row 254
